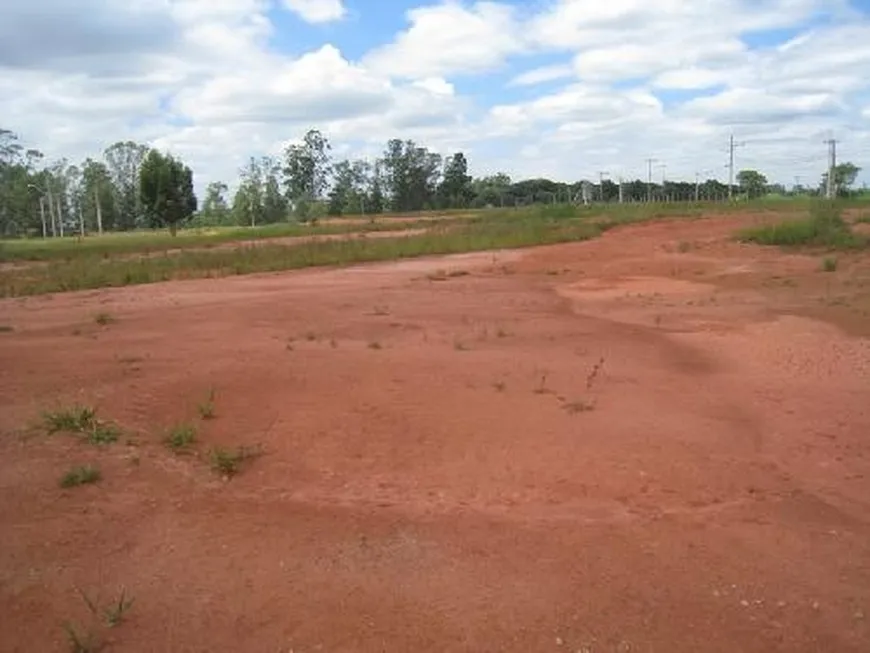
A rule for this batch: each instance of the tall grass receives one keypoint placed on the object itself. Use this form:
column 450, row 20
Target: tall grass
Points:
column 824, row 227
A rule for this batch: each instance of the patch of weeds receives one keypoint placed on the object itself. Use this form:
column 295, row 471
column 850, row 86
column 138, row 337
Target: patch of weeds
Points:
column 5, row 328
column 374, row 344
column 228, row 462
column 829, row 264
column 207, row 408
column 863, row 219
column 72, row 419
column 824, row 227
column 82, row 639
column 579, row 406
column 104, row 319
column 180, row 437
column 81, row 475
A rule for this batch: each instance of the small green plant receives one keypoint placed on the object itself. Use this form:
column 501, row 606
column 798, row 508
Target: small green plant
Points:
column 103, row 319
column 228, row 463
column 114, row 614
column 824, row 227
column 81, row 475
column 374, row 344
column 207, row 408
column 829, row 264
column 181, row 437
column 83, row 421
column 80, row 640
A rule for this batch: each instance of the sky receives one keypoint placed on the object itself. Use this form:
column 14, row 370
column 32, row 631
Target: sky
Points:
column 565, row 89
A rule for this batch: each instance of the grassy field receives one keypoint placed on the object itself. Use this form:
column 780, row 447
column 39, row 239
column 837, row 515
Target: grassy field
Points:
column 824, row 227
column 108, row 261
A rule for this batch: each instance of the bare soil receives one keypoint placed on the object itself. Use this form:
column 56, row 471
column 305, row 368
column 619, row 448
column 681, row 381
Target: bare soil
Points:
column 658, row 440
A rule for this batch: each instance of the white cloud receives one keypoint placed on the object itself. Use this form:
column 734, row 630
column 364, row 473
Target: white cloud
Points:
column 450, row 39
column 317, row 11
column 206, row 78
column 542, row 74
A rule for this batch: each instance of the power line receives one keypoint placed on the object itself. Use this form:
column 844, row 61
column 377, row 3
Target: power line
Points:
column 832, row 164
column 649, row 163
column 731, row 146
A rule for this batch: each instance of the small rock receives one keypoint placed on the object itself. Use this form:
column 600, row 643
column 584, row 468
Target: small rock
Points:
column 559, row 641
column 781, row 604
column 858, row 614
column 744, row 603
column 816, row 605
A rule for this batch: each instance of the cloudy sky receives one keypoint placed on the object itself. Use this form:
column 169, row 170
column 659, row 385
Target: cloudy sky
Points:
column 558, row 88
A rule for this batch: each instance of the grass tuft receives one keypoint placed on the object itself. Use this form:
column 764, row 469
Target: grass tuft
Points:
column 829, row 264
column 81, row 475
column 228, row 462
column 103, row 319
column 181, row 437
column 207, row 408
column 83, row 421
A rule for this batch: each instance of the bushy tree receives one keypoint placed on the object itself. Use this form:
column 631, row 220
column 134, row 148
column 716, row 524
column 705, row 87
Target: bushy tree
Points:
column 166, row 191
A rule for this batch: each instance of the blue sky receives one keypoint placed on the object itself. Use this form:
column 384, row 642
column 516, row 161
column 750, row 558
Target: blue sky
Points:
column 559, row 88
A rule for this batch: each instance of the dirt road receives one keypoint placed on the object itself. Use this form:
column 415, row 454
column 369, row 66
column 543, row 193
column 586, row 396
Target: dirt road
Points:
column 654, row 441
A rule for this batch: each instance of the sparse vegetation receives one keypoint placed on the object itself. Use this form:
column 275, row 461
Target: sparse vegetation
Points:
column 829, row 264
column 228, row 462
column 103, row 319
column 181, row 437
column 824, row 227
column 80, row 475
column 207, row 408
column 114, row 614
column 86, row 639
column 83, row 421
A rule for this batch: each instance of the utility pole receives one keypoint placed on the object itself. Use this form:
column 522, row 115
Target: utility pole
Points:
column 831, row 190
column 697, row 186
column 620, row 190
column 649, row 163
column 731, row 146
column 81, row 221
column 59, row 216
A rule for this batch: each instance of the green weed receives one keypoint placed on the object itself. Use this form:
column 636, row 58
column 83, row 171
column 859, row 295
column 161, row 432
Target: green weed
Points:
column 207, row 408
column 103, row 319
column 829, row 264
column 81, row 475
column 180, row 437
column 83, row 421
column 114, row 614
column 228, row 463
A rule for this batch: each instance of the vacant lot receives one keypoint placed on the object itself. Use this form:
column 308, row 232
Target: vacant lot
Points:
column 655, row 440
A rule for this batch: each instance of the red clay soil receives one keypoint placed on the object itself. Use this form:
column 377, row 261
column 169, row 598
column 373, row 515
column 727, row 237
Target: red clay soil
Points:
column 653, row 441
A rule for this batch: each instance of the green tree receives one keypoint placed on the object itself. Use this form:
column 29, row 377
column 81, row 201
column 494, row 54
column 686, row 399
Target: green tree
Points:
column 166, row 191
column 98, row 196
column 455, row 190
column 215, row 209
column 845, row 175
column 306, row 172
column 124, row 161
column 752, row 182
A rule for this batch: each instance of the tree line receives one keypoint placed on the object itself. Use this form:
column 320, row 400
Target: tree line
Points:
column 132, row 186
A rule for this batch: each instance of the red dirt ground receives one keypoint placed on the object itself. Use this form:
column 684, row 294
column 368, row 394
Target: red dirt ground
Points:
column 444, row 468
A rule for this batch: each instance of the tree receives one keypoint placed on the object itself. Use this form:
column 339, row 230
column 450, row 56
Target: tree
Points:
column 455, row 190
column 98, row 195
column 752, row 182
column 274, row 203
column 845, row 175
column 124, row 161
column 166, row 191
column 215, row 209
column 306, row 171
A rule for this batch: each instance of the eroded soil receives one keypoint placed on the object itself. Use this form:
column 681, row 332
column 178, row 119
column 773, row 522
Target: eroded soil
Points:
column 658, row 440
